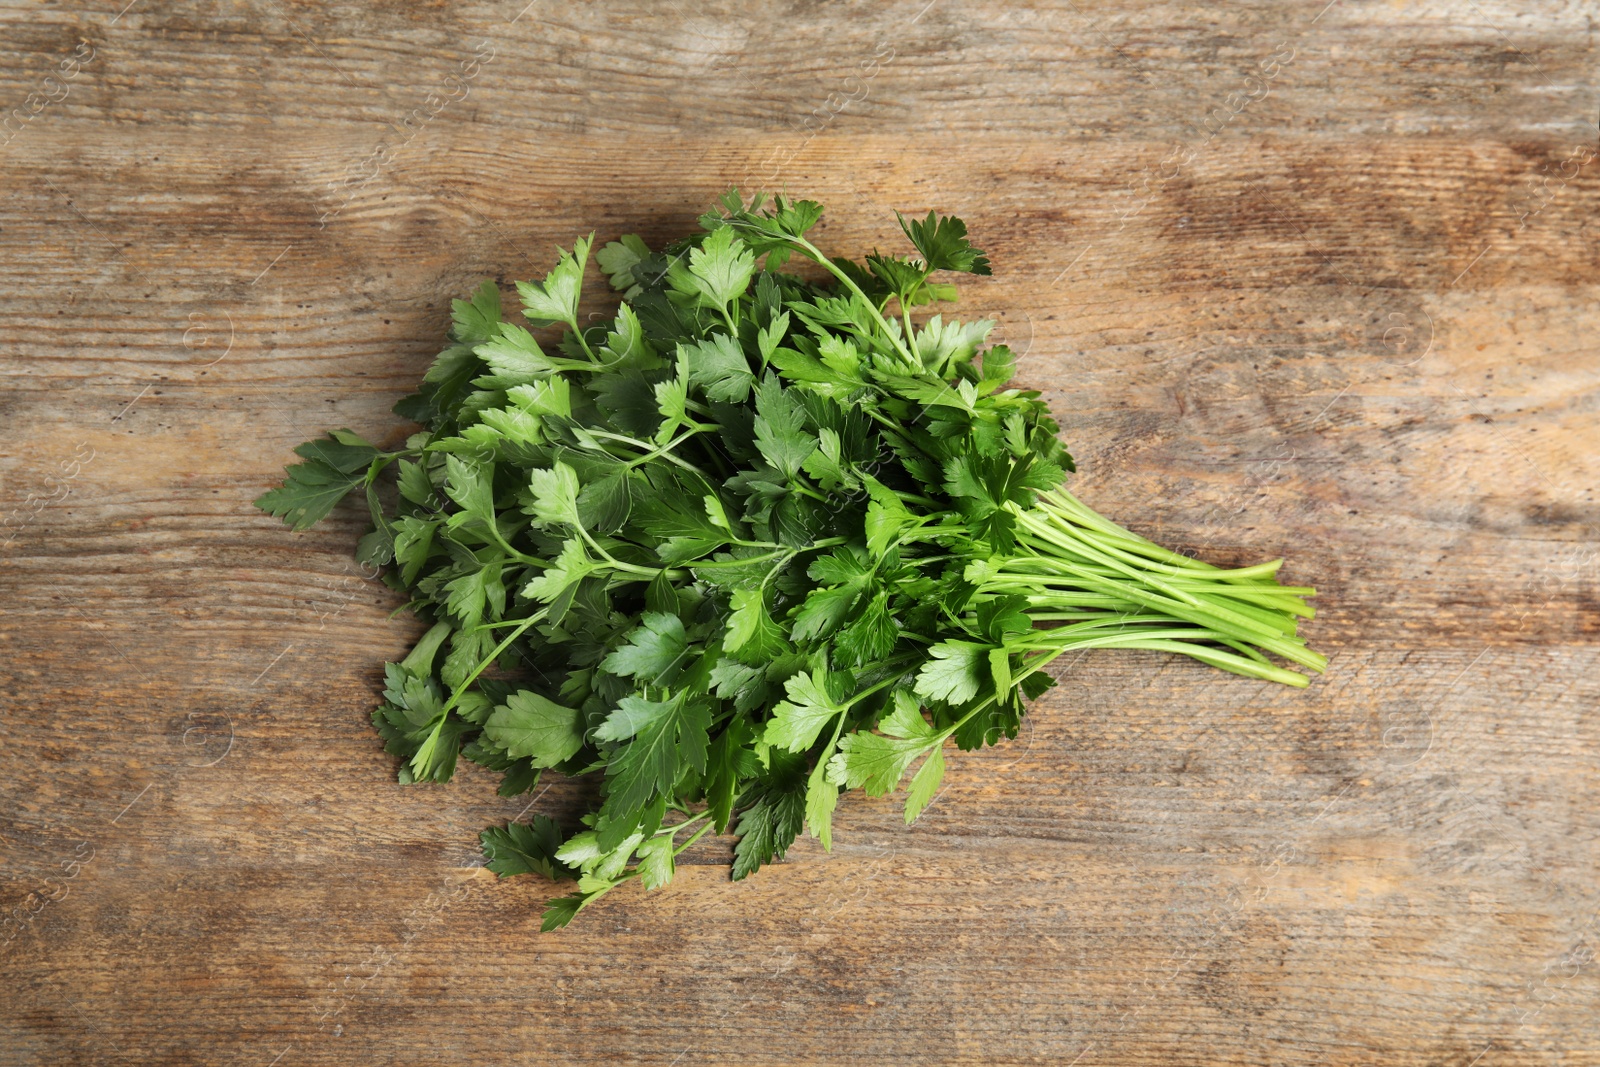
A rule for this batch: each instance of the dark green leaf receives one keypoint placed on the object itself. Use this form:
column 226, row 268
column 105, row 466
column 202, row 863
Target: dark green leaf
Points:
column 523, row 848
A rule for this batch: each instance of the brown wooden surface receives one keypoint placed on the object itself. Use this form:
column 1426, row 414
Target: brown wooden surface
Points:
column 1352, row 324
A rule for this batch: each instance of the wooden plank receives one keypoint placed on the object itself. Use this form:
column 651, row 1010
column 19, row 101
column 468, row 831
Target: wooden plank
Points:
column 1348, row 319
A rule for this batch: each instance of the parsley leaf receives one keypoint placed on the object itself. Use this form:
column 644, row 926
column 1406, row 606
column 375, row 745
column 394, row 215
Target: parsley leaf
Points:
column 662, row 738
column 719, row 368
column 653, row 650
column 780, row 428
column 772, row 821
column 529, row 725
column 331, row 468
column 476, row 319
column 722, row 267
column 556, row 298
column 525, row 848
column 942, row 240
column 796, row 722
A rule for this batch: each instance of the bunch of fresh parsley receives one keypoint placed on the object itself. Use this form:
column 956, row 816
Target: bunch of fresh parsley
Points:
column 758, row 538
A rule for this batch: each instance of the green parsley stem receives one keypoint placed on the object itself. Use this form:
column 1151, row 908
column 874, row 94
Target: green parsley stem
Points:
column 494, row 531
column 1249, row 599
column 891, row 680
column 817, row 254
column 1156, row 592
column 697, row 835
column 631, row 568
column 668, row 456
column 1134, row 549
column 778, row 550
column 697, row 564
column 583, row 343
column 425, row 750
column 805, row 490
column 678, row 826
column 670, row 445
column 905, row 315
column 917, row 498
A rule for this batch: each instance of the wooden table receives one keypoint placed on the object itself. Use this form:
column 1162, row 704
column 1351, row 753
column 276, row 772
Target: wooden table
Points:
column 1301, row 280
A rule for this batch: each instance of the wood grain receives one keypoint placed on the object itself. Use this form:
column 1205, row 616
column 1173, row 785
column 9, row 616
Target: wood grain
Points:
column 1342, row 313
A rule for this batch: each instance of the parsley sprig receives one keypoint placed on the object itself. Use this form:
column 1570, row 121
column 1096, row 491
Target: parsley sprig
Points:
column 758, row 538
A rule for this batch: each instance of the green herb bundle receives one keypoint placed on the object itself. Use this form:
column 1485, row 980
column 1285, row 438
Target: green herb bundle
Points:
column 755, row 540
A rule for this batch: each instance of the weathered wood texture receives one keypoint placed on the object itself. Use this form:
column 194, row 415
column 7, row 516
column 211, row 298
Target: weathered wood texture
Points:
column 1348, row 318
